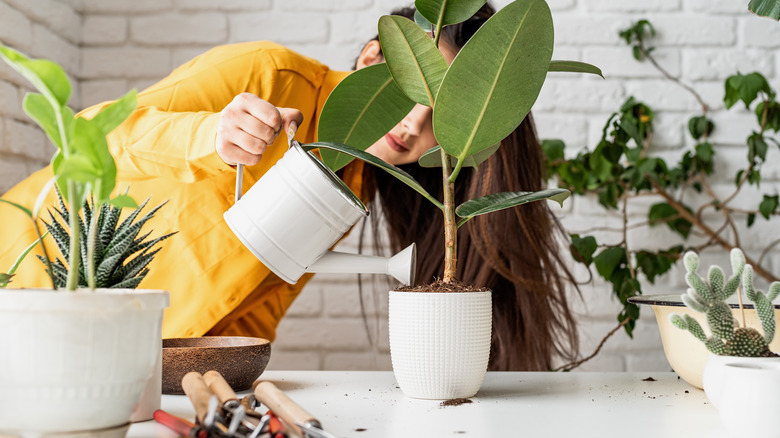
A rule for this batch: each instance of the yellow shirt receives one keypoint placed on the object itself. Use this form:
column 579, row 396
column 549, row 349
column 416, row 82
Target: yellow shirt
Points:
column 165, row 151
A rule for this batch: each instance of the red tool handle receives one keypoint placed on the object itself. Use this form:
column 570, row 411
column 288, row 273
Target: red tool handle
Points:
column 179, row 425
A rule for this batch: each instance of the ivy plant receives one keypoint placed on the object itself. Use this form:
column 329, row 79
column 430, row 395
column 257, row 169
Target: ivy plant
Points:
column 622, row 167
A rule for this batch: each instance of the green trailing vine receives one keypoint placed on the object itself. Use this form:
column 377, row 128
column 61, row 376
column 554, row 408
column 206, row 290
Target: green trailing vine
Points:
column 622, row 167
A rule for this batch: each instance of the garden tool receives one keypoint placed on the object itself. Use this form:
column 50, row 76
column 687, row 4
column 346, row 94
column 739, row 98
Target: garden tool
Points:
column 179, row 425
column 206, row 406
column 236, row 411
column 298, row 210
column 303, row 423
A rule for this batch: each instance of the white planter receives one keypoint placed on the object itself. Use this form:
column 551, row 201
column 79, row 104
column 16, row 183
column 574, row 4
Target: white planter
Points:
column 715, row 369
column 440, row 342
column 744, row 390
column 76, row 360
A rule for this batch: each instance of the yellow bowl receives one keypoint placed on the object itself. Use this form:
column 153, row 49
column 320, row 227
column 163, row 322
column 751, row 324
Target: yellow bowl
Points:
column 686, row 354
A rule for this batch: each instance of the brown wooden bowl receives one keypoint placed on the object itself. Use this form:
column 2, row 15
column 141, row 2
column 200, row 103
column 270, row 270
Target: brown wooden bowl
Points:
column 240, row 360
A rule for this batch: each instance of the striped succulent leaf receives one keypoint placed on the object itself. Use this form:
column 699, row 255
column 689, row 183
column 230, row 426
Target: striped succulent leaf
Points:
column 122, row 256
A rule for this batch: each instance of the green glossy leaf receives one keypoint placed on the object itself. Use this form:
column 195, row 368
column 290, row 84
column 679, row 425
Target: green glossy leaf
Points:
column 21, row 207
column 769, row 110
column 700, row 126
column 504, row 200
column 78, row 168
column 88, row 140
column 495, row 79
column 765, row 8
column 663, row 213
column 364, row 107
column 583, row 248
column 745, row 88
column 432, row 158
column 768, row 205
column 123, row 201
column 448, row 11
column 415, row 63
column 368, row 158
column 6, row 277
column 574, row 67
column 609, row 259
column 757, row 147
column 39, row 109
column 553, row 149
column 113, row 115
column 46, row 76
column 424, row 24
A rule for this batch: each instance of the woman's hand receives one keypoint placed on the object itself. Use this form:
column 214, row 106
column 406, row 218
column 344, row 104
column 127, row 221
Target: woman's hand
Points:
column 248, row 125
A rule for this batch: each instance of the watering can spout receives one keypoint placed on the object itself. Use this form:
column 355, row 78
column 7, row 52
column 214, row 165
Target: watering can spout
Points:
column 400, row 266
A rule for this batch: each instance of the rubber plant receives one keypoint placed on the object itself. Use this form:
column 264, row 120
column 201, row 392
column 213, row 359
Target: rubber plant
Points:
column 82, row 165
column 477, row 100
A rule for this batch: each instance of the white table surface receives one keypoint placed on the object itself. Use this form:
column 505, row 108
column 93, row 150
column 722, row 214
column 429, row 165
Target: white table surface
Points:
column 367, row 404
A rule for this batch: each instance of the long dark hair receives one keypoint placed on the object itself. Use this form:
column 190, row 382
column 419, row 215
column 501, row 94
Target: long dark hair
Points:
column 514, row 252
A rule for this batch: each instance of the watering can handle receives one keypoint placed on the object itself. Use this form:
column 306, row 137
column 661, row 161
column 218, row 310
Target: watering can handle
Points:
column 240, row 167
column 239, row 180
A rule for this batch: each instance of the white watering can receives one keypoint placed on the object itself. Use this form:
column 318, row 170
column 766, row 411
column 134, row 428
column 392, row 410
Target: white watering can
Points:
column 298, row 210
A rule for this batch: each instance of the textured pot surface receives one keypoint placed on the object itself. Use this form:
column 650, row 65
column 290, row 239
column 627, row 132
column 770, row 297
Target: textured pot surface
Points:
column 440, row 342
column 85, row 356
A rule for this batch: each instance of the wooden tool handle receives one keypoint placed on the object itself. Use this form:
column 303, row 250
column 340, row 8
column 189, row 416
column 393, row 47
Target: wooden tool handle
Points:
column 198, row 392
column 278, row 402
column 219, row 386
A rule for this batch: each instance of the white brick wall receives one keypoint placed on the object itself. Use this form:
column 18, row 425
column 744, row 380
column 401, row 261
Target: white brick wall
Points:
column 703, row 41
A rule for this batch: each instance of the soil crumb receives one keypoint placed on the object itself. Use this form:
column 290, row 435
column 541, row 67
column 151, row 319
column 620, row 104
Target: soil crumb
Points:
column 440, row 286
column 361, row 429
column 649, row 379
column 455, row 402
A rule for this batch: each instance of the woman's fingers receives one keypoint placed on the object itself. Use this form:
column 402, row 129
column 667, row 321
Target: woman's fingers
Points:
column 248, row 125
column 291, row 119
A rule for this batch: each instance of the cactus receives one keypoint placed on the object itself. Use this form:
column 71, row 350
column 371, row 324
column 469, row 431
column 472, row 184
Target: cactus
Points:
column 709, row 296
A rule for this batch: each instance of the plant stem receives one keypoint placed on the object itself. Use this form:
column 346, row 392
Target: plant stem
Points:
column 666, row 74
column 571, row 365
column 45, row 254
column 450, row 221
column 90, row 261
column 708, row 231
column 625, row 232
column 75, row 246
column 439, row 23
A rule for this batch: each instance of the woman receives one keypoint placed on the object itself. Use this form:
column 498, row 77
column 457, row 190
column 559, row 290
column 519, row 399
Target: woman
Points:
column 228, row 107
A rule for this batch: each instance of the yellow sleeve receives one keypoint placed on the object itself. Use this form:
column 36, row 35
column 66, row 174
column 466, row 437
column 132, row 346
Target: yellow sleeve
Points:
column 173, row 130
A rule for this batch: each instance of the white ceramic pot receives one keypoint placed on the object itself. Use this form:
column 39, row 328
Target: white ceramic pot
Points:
column 715, row 369
column 76, row 360
column 440, row 342
column 745, row 392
